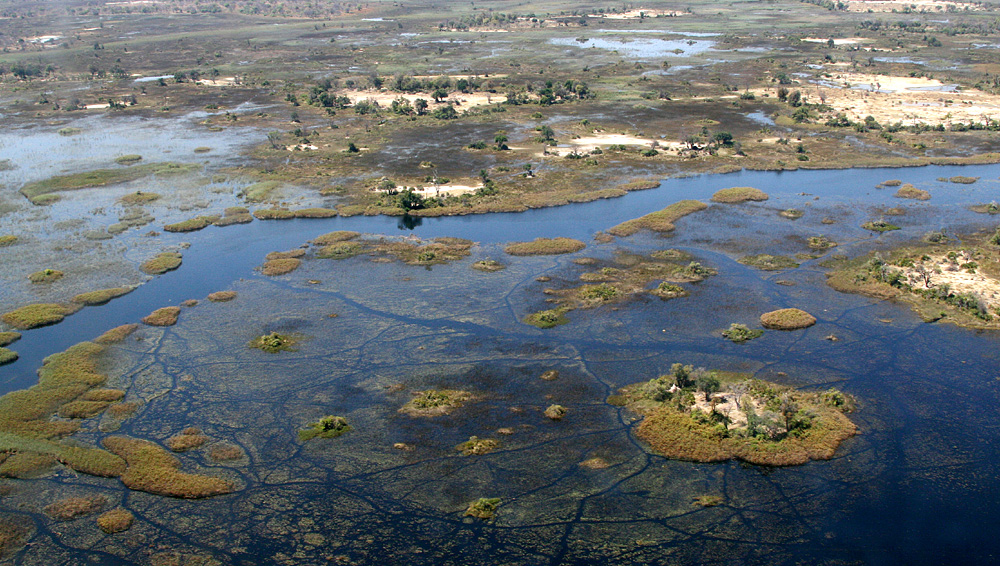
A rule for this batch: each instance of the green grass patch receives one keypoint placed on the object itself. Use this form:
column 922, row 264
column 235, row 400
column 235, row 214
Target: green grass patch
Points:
column 162, row 263
column 129, row 159
column 259, row 192
column 191, row 224
column 329, row 426
column 547, row 318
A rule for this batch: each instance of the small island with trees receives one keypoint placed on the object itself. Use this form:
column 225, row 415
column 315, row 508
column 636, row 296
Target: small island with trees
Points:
column 712, row 416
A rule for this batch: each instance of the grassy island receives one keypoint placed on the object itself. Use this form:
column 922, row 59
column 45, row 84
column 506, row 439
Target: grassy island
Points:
column 706, row 416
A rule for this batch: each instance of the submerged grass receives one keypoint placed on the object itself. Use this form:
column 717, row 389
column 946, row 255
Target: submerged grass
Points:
column 37, row 191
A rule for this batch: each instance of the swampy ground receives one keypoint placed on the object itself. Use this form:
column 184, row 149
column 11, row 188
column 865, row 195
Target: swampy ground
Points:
column 337, row 224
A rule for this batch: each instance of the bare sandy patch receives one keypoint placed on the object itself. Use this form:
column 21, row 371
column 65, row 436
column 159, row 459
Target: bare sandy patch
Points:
column 917, row 6
column 225, row 81
column 939, row 270
column 838, row 41
column 602, row 141
column 97, row 106
column 637, row 14
column 449, row 189
column 909, row 100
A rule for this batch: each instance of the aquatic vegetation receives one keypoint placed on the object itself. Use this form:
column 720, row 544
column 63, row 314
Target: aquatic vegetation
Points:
column 234, row 215
column 334, row 237
column 476, row 446
column 666, row 290
column 166, row 316
column 7, row 338
column 273, row 214
column 7, row 240
column 769, row 262
column 548, row 318
column 791, row 214
column 274, row 343
column 315, row 213
column 152, row 469
column 483, row 508
column 787, row 319
column 46, row 276
column 911, row 192
column 202, row 149
column 73, row 507
column 987, row 208
column 555, row 412
column 191, row 224
column 82, row 409
column 329, row 426
column 69, row 131
column 488, row 265
column 280, row 266
column 102, row 296
column 35, row 315
column 880, row 225
column 42, row 192
column 139, row 197
column 596, row 294
column 959, row 179
column 707, row 416
column 128, row 159
column 739, row 194
column 116, row 334
column 291, row 254
column 259, row 192
column 821, row 243
column 26, row 465
column 434, row 402
column 340, row 250
column 162, row 263
column 891, row 183
column 707, row 500
column 221, row 296
column 7, row 355
column 659, row 221
column 117, row 520
column 439, row 250
column 121, row 411
column 740, row 333
column 671, row 255
column 106, row 395
column 550, row 375
column 225, row 451
column 187, row 439
column 545, row 246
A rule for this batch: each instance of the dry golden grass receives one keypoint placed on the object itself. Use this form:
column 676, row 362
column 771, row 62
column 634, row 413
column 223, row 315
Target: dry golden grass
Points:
column 115, row 521
column 162, row 263
column 787, row 319
column 102, row 296
column 545, row 246
column 739, row 194
column 73, row 507
column 39, row 314
column 285, row 255
column 186, row 440
column 116, row 334
column 154, row 470
column 659, row 221
column 333, row 237
column 911, row 192
column 222, row 296
column 7, row 338
column 166, row 316
column 225, row 451
column 280, row 266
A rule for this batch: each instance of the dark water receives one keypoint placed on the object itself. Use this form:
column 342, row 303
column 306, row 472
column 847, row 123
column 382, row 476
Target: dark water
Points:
column 918, row 485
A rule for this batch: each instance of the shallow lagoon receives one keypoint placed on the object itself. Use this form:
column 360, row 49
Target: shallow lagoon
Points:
column 916, row 486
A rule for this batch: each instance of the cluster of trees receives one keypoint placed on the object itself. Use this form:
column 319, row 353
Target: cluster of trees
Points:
column 282, row 8
column 26, row 71
column 486, row 19
column 879, row 270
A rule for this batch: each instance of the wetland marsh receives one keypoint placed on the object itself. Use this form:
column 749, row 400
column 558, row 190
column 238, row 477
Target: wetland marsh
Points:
column 612, row 293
